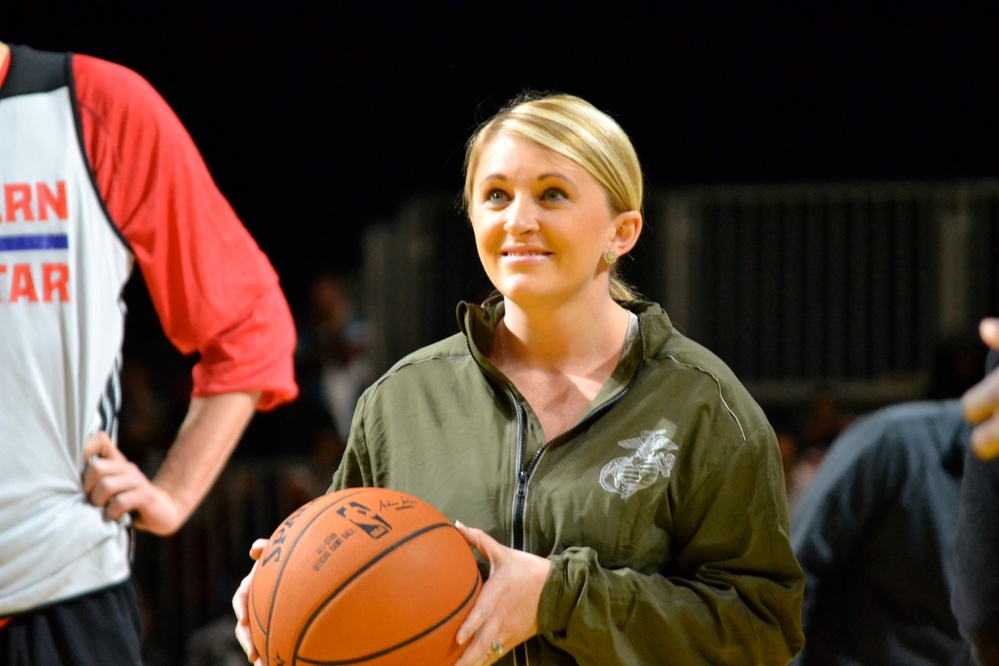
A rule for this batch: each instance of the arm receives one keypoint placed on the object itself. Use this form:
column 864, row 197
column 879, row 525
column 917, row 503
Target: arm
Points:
column 204, row 443
column 981, row 402
column 214, row 291
column 730, row 595
column 976, row 543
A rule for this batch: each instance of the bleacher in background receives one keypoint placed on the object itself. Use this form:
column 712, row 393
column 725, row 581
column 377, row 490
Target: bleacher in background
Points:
column 842, row 285
column 846, row 286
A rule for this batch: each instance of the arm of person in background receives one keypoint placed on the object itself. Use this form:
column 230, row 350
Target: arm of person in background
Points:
column 975, row 599
column 203, row 445
column 981, row 402
column 214, row 291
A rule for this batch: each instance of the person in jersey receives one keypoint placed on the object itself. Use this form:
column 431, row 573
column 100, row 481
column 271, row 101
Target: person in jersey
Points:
column 97, row 175
column 622, row 489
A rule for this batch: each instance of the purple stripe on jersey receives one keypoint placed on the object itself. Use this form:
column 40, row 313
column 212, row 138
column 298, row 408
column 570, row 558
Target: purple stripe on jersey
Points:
column 40, row 242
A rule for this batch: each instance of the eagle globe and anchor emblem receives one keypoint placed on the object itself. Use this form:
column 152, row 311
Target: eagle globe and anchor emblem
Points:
column 653, row 457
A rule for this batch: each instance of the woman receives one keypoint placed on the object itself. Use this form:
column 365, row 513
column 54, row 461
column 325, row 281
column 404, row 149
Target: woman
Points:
column 625, row 490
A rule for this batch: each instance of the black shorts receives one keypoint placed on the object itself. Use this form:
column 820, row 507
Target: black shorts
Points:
column 99, row 629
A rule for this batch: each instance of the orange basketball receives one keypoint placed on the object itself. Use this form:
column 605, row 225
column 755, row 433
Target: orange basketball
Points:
column 365, row 576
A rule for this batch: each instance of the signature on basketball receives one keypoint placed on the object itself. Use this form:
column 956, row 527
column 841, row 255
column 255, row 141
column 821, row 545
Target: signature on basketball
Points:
column 403, row 503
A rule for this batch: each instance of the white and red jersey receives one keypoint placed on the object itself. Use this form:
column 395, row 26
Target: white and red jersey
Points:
column 98, row 174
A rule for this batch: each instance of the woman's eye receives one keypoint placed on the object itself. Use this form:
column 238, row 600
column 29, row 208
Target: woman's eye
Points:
column 554, row 194
column 496, row 196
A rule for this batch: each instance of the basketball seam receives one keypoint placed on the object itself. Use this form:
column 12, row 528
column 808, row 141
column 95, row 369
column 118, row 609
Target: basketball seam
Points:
column 357, row 660
column 280, row 574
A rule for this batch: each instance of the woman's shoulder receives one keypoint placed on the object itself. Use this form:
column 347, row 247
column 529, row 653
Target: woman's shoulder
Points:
column 695, row 372
column 450, row 347
column 428, row 358
column 667, row 344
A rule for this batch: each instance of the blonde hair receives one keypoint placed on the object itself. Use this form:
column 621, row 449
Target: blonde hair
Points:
column 577, row 130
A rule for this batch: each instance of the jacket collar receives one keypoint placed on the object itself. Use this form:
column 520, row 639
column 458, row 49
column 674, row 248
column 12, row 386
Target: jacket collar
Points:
column 479, row 322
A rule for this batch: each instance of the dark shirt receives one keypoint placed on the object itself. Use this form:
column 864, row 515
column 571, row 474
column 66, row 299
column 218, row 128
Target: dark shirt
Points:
column 976, row 554
column 874, row 534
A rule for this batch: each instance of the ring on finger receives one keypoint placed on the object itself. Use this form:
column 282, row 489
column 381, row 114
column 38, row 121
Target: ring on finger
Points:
column 497, row 648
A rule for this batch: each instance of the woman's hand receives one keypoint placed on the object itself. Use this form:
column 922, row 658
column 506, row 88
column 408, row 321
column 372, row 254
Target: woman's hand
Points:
column 506, row 612
column 241, row 606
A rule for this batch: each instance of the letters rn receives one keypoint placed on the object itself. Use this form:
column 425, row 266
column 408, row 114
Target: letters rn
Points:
column 23, row 202
column 40, row 202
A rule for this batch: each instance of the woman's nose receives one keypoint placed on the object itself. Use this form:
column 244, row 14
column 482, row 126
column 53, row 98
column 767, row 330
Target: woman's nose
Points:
column 522, row 217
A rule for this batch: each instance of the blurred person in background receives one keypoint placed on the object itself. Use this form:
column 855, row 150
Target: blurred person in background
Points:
column 332, row 353
column 874, row 534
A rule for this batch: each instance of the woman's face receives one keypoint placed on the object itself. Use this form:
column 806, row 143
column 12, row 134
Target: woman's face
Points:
column 541, row 224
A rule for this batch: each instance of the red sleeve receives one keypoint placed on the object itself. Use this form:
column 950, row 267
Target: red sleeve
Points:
column 214, row 291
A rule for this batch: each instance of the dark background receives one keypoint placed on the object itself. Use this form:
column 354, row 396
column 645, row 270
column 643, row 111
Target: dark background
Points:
column 320, row 118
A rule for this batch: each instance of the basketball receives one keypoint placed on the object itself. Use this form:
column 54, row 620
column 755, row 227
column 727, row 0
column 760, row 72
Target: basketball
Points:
column 364, row 576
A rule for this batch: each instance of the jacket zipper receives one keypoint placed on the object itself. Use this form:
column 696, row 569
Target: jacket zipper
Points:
column 520, row 501
column 524, row 475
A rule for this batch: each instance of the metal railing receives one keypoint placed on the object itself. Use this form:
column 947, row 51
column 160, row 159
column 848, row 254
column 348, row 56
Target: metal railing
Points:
column 850, row 284
column 792, row 285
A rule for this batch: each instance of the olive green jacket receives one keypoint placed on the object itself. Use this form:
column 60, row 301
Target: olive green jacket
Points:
column 662, row 509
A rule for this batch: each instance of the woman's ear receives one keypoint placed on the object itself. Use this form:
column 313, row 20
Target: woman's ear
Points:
column 627, row 228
